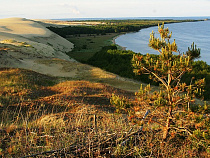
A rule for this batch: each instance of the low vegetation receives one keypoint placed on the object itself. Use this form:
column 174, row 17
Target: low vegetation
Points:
column 44, row 116
column 17, row 43
column 86, row 45
column 41, row 114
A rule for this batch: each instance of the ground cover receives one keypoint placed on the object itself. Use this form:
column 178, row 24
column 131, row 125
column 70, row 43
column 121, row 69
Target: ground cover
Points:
column 43, row 116
column 85, row 46
column 80, row 115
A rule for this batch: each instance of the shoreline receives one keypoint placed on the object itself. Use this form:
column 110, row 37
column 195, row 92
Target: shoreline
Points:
column 114, row 42
column 123, row 33
column 124, row 48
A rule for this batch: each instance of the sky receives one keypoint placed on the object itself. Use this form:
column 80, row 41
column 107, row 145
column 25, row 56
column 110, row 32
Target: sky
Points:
column 58, row 9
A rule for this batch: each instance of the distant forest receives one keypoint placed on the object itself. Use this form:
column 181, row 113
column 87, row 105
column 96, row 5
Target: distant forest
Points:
column 113, row 26
column 99, row 29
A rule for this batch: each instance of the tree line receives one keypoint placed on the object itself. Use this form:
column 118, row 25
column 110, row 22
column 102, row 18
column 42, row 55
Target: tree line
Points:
column 119, row 62
column 99, row 29
column 112, row 26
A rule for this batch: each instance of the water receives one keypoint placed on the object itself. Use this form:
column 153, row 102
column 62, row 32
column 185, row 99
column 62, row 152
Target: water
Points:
column 135, row 18
column 185, row 34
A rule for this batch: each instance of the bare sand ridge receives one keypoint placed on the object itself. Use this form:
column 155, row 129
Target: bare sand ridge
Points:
column 40, row 40
column 30, row 45
column 60, row 23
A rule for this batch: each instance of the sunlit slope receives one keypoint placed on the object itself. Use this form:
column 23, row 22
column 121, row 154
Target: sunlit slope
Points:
column 32, row 39
column 28, row 44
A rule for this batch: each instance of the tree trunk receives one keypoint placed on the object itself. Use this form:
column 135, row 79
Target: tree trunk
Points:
column 166, row 128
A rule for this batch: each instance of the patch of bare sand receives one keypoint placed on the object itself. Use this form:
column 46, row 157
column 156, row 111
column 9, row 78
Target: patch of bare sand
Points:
column 44, row 42
column 24, row 27
column 61, row 23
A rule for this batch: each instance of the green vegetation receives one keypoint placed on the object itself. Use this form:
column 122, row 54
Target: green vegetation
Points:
column 118, row 62
column 167, row 69
column 113, row 60
column 43, row 116
column 112, row 26
column 49, row 118
column 93, row 49
column 85, row 46
column 193, row 52
column 199, row 70
column 90, row 39
column 173, row 106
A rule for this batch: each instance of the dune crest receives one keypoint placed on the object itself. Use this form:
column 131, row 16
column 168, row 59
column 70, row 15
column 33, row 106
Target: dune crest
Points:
column 41, row 42
column 24, row 27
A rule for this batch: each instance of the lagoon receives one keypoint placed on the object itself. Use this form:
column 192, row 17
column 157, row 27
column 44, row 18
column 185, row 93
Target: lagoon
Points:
column 185, row 34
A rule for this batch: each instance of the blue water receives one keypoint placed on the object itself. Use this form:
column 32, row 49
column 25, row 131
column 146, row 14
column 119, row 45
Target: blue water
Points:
column 136, row 18
column 185, row 34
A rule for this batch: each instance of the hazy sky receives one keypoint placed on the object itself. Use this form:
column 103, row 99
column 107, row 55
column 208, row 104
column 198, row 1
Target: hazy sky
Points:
column 49, row 9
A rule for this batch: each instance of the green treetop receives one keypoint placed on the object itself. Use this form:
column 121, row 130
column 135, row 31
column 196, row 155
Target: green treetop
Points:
column 167, row 69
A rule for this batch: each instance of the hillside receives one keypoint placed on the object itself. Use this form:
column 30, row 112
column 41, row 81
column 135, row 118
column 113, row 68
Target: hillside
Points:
column 41, row 84
column 28, row 44
column 22, row 39
column 54, row 106
column 45, row 116
column 38, row 105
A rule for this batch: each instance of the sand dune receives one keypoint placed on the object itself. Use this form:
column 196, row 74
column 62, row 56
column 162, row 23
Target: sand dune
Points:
column 30, row 45
column 24, row 27
column 44, row 42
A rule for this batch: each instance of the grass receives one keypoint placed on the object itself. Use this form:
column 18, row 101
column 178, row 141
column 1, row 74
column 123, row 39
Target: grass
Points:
column 87, row 45
column 44, row 116
column 38, row 113
column 17, row 43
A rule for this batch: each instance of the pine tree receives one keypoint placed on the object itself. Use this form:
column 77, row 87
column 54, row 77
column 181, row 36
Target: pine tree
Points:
column 193, row 52
column 167, row 69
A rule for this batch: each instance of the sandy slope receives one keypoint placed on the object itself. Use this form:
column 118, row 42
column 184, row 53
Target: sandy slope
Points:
column 29, row 44
column 23, row 27
column 44, row 42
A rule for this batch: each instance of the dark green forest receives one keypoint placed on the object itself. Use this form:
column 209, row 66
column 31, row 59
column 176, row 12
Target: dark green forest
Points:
column 99, row 29
column 112, row 26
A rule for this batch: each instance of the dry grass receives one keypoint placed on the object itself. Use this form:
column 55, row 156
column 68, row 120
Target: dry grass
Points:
column 35, row 108
column 44, row 117
column 16, row 43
